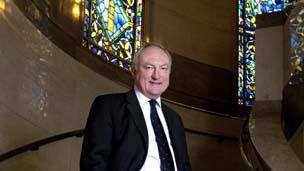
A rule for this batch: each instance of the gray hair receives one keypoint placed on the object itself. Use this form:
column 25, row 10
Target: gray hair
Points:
column 137, row 55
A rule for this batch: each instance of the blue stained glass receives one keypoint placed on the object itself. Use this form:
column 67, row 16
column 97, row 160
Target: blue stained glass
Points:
column 94, row 50
column 248, row 103
column 85, row 34
column 105, row 56
column 111, row 27
column 114, row 60
column 126, row 66
column 293, row 41
column 241, row 9
column 86, row 20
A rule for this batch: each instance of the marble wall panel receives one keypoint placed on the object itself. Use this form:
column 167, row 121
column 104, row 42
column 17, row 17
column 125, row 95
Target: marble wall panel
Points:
column 92, row 89
column 39, row 82
column 269, row 63
column 209, row 123
column 204, row 31
column 16, row 131
column 52, row 157
column 209, row 153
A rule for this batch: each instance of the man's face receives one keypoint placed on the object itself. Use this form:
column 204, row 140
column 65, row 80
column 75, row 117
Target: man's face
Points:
column 153, row 72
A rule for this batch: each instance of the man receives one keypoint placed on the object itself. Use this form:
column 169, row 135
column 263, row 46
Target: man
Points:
column 135, row 131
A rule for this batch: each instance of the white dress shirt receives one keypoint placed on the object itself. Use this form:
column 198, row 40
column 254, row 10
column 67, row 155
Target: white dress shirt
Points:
column 152, row 161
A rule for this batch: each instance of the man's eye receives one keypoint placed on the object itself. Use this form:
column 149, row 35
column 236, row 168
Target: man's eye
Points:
column 149, row 67
column 164, row 68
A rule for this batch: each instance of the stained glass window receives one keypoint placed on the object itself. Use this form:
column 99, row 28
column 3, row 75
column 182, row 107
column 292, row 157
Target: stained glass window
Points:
column 113, row 29
column 248, row 9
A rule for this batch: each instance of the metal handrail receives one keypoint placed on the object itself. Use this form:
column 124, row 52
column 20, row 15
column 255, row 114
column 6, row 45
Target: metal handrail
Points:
column 248, row 164
column 35, row 145
column 79, row 133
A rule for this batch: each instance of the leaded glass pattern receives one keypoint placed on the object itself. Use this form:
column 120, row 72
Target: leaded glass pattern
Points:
column 248, row 9
column 138, row 24
column 113, row 29
column 296, row 28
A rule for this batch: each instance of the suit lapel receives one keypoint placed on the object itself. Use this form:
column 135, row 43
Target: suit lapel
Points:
column 136, row 112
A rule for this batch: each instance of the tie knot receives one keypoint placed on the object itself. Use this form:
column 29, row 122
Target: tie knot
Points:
column 153, row 102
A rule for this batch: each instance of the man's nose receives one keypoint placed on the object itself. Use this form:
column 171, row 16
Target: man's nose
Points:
column 155, row 74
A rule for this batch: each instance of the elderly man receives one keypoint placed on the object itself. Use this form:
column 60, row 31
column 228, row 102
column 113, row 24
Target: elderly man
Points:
column 135, row 131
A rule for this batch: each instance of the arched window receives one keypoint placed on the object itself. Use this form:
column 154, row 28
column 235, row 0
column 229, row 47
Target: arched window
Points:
column 247, row 11
column 113, row 29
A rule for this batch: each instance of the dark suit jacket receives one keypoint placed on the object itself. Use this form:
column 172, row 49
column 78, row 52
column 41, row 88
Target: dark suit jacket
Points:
column 116, row 136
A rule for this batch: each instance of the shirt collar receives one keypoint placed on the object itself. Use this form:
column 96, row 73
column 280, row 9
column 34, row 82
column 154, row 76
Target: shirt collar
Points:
column 142, row 98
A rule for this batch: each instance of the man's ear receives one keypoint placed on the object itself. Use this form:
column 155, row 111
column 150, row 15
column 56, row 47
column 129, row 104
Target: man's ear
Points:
column 133, row 72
